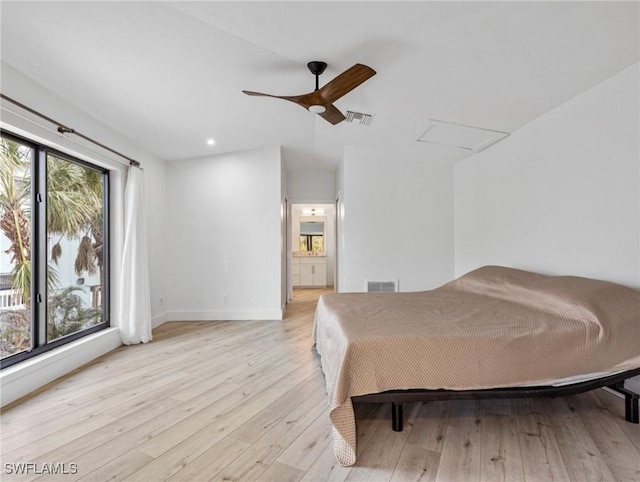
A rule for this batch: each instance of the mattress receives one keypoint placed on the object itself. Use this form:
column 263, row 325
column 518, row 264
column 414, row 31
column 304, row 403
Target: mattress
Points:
column 494, row 327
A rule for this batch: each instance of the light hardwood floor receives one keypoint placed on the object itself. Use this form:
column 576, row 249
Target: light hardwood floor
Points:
column 246, row 401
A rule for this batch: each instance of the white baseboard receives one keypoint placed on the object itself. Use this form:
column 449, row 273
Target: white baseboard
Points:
column 25, row 377
column 223, row 315
column 158, row 320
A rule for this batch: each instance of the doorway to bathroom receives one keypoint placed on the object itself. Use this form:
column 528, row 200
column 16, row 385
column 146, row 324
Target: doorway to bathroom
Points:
column 312, row 242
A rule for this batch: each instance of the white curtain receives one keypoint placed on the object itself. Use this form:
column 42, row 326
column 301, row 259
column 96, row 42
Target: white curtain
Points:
column 134, row 318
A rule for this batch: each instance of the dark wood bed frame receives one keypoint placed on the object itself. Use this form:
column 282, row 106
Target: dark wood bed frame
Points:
column 614, row 382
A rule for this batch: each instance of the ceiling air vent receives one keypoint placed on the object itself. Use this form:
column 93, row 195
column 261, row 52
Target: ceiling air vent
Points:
column 381, row 286
column 359, row 118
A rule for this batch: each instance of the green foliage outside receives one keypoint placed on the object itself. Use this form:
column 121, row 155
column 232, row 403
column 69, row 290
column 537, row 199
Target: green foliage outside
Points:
column 66, row 314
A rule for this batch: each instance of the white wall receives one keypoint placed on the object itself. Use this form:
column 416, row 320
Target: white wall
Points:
column 311, row 186
column 156, row 192
column 562, row 194
column 225, row 249
column 395, row 221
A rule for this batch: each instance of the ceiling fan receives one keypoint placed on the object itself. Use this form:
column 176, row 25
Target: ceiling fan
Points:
column 321, row 100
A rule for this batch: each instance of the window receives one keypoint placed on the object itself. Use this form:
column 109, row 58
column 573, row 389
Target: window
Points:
column 312, row 236
column 312, row 242
column 53, row 249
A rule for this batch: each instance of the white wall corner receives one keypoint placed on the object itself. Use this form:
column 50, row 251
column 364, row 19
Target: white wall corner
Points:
column 158, row 320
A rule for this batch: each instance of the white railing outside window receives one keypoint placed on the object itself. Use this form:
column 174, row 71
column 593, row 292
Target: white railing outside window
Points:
column 11, row 299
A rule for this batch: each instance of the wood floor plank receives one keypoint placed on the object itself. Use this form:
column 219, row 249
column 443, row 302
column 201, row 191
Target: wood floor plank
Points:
column 431, row 426
column 279, row 472
column 133, row 438
column 122, row 404
column 304, row 451
column 501, row 458
column 89, row 452
column 117, row 469
column 580, row 454
column 615, row 406
column 254, row 428
column 87, row 401
column 195, row 422
column 381, row 450
column 461, row 453
column 416, row 464
column 264, row 451
column 369, row 418
column 418, row 460
column 52, row 441
column 625, row 474
column 211, row 462
column 326, row 468
column 612, row 442
column 173, row 456
column 541, row 457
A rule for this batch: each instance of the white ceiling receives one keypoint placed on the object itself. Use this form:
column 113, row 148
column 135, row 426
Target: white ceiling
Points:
column 169, row 75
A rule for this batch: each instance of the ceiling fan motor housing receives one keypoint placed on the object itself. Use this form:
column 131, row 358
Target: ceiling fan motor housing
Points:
column 317, row 67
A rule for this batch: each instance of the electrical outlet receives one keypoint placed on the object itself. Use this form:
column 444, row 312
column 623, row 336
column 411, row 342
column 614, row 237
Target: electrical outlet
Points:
column 225, row 298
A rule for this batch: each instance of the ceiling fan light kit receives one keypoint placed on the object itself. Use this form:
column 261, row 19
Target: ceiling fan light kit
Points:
column 317, row 109
column 321, row 100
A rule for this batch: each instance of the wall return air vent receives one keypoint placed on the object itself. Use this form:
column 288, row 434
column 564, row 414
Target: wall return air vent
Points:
column 359, row 118
column 381, row 286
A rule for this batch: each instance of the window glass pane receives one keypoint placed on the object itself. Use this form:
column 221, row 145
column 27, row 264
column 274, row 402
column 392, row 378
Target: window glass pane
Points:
column 74, row 246
column 317, row 243
column 15, row 247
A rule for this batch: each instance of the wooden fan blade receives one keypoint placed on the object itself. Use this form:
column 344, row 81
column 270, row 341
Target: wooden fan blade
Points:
column 332, row 115
column 304, row 100
column 345, row 83
column 249, row 92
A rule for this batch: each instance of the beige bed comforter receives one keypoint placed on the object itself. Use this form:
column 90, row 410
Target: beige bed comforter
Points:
column 494, row 327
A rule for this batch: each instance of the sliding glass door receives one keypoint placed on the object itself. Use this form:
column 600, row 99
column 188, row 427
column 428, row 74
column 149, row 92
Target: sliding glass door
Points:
column 54, row 239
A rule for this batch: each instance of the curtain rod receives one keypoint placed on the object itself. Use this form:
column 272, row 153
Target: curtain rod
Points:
column 62, row 129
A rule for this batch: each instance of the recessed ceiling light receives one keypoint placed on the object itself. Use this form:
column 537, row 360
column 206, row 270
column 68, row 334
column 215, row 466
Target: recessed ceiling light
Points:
column 211, row 142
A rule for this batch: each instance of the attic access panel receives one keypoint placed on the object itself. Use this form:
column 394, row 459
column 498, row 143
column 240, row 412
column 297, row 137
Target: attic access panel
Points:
column 471, row 138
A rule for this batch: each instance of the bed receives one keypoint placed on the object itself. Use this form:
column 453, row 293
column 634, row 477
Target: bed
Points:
column 495, row 332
